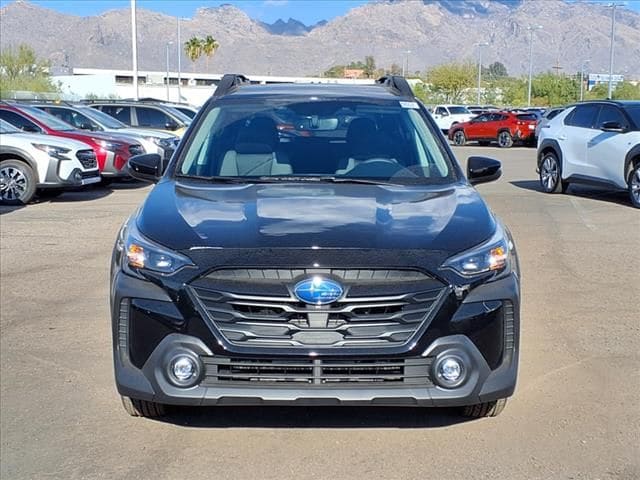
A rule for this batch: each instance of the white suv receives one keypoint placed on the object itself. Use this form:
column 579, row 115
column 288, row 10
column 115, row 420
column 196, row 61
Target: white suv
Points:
column 448, row 115
column 48, row 165
column 594, row 143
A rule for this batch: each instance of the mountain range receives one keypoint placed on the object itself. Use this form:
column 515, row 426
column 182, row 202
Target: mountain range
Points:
column 432, row 31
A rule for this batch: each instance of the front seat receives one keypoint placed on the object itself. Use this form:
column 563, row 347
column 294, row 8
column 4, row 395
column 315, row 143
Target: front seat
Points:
column 254, row 153
column 364, row 142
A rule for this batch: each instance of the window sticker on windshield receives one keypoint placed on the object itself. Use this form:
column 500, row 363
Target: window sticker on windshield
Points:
column 409, row 105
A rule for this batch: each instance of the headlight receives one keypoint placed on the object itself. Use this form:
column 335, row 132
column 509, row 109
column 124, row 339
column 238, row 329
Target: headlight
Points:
column 140, row 253
column 493, row 255
column 164, row 143
column 112, row 146
column 53, row 151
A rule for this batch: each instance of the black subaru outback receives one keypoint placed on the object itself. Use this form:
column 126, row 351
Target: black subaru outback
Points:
column 314, row 245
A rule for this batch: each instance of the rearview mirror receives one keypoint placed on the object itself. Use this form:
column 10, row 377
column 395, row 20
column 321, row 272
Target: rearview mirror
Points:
column 614, row 127
column 86, row 126
column 147, row 167
column 483, row 170
column 30, row 129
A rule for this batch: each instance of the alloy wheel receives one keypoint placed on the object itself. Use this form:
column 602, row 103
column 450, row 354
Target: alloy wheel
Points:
column 549, row 173
column 13, row 183
column 459, row 138
column 504, row 139
column 635, row 185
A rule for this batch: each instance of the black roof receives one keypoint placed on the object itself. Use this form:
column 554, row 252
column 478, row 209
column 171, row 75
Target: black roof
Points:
column 620, row 103
column 388, row 87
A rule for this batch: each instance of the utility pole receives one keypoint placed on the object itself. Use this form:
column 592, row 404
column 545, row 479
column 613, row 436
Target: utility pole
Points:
column 480, row 45
column 167, row 49
column 584, row 64
column 613, row 7
column 134, row 48
column 406, row 62
column 531, row 29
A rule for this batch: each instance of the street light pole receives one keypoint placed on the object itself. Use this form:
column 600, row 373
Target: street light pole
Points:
column 134, row 48
column 179, row 63
column 167, row 49
column 480, row 45
column 406, row 62
column 613, row 29
column 530, row 30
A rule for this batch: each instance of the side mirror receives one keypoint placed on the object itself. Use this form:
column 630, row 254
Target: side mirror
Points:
column 147, row 167
column 614, row 127
column 171, row 126
column 445, row 114
column 483, row 170
column 31, row 129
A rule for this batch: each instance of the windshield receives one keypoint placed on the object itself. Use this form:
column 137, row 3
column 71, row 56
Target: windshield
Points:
column 314, row 140
column 6, row 127
column 187, row 111
column 181, row 116
column 459, row 111
column 634, row 113
column 104, row 120
column 54, row 123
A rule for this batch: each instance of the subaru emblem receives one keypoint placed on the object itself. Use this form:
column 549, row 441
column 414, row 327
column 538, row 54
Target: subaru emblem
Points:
column 318, row 291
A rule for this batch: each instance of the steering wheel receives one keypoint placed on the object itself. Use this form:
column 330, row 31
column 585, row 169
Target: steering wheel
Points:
column 376, row 167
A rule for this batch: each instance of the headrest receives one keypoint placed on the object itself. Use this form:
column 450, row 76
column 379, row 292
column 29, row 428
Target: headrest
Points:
column 260, row 135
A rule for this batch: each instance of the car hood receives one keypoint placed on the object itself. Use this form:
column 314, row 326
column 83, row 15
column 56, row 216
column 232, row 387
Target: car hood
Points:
column 182, row 216
column 144, row 132
column 19, row 139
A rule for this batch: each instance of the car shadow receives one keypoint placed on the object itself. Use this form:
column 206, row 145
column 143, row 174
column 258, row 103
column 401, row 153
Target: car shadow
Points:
column 313, row 417
column 612, row 196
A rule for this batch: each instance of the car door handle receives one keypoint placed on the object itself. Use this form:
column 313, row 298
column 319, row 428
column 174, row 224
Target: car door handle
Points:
column 562, row 137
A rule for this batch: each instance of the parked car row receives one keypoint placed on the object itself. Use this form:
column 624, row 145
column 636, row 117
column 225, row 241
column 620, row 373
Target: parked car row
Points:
column 42, row 142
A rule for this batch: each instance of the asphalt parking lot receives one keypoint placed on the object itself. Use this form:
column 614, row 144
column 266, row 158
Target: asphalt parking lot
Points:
column 575, row 414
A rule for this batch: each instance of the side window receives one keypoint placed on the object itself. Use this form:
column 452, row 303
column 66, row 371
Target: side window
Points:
column 152, row 117
column 19, row 121
column 121, row 113
column 441, row 111
column 583, row 116
column 63, row 114
column 609, row 113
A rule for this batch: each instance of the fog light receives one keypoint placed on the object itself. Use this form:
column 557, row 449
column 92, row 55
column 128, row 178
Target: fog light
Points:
column 184, row 370
column 77, row 176
column 450, row 371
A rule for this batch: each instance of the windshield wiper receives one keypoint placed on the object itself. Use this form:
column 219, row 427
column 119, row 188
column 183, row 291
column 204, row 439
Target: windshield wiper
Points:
column 236, row 180
column 364, row 181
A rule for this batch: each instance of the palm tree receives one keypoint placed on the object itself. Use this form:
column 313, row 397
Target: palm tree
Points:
column 193, row 48
column 209, row 46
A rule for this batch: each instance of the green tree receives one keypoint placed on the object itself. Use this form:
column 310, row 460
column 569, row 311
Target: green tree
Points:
column 497, row 70
column 451, row 80
column 623, row 91
column 193, row 49
column 20, row 69
column 369, row 66
column 209, row 47
column 548, row 89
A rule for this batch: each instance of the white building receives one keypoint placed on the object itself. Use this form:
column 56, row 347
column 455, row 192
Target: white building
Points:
column 195, row 88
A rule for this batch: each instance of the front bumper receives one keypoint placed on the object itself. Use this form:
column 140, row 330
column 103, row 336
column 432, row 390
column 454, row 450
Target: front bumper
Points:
column 149, row 380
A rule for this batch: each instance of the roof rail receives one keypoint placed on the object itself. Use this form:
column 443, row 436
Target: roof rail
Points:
column 230, row 82
column 396, row 83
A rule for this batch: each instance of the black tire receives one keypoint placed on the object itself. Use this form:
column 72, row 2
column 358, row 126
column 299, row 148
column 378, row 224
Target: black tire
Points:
column 551, row 174
column 483, row 143
column 487, row 409
column 50, row 192
column 505, row 140
column 143, row 408
column 459, row 138
column 633, row 180
column 17, row 182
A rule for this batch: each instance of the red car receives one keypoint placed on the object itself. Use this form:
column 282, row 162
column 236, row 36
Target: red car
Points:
column 506, row 128
column 112, row 152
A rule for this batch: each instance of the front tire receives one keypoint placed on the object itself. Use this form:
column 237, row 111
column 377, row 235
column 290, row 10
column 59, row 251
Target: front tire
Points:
column 487, row 409
column 634, row 185
column 551, row 174
column 505, row 140
column 17, row 182
column 459, row 138
column 143, row 408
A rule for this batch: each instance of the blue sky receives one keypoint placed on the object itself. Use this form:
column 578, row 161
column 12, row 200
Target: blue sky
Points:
column 307, row 11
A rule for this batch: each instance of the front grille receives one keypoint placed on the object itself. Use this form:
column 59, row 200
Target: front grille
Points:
column 87, row 158
column 91, row 174
column 366, row 372
column 378, row 310
column 136, row 150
